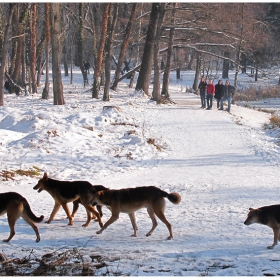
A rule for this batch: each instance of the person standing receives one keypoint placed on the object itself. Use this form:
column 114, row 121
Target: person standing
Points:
column 210, row 93
column 202, row 91
column 227, row 94
column 218, row 92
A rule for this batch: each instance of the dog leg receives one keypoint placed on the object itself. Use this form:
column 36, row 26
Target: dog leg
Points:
column 113, row 218
column 134, row 225
column 35, row 228
column 161, row 216
column 54, row 212
column 276, row 234
column 67, row 211
column 89, row 217
column 14, row 211
column 11, row 222
column 154, row 220
column 91, row 209
column 75, row 207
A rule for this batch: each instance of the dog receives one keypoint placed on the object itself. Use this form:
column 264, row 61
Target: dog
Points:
column 132, row 199
column 269, row 216
column 76, row 204
column 70, row 191
column 17, row 206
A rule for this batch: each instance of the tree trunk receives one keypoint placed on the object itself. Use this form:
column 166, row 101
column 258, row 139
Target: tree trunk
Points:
column 197, row 72
column 225, row 66
column 138, row 48
column 124, row 46
column 98, row 65
column 143, row 81
column 5, row 51
column 256, row 73
column 20, row 49
column 80, row 44
column 109, row 51
column 166, row 75
column 156, row 95
column 32, row 49
column 45, row 94
column 56, row 53
column 40, row 63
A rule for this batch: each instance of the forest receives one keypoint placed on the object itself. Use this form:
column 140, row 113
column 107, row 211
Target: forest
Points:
column 150, row 39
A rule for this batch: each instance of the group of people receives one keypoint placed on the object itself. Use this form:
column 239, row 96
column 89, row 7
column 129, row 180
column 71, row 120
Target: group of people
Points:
column 220, row 92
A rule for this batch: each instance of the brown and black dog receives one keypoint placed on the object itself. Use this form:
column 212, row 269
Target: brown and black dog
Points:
column 132, row 199
column 64, row 192
column 17, row 206
column 269, row 216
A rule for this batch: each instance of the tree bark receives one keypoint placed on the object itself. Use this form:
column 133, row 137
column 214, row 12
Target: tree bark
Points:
column 56, row 54
column 109, row 51
column 80, row 44
column 45, row 94
column 197, row 71
column 5, row 51
column 98, row 65
column 143, row 81
column 124, row 46
column 156, row 95
column 166, row 75
column 225, row 66
column 32, row 49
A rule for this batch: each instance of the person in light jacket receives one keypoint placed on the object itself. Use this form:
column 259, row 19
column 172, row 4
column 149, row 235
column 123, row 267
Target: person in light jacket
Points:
column 202, row 91
column 227, row 94
column 210, row 93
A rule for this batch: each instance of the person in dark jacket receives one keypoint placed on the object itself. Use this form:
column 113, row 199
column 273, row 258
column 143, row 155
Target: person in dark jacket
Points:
column 202, row 91
column 227, row 94
column 218, row 92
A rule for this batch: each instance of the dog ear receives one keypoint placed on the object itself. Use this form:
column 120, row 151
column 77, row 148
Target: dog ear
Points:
column 251, row 208
column 45, row 175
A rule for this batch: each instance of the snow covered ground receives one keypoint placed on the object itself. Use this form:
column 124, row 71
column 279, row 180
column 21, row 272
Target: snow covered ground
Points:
column 220, row 163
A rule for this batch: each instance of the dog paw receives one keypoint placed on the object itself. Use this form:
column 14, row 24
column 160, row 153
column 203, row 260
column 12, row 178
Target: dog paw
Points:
column 5, row 240
column 99, row 232
column 169, row 237
column 270, row 247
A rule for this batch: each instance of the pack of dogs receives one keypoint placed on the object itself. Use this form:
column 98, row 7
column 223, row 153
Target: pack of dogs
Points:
column 127, row 200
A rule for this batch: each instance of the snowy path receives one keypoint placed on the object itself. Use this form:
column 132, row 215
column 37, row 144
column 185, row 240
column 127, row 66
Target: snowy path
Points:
column 220, row 163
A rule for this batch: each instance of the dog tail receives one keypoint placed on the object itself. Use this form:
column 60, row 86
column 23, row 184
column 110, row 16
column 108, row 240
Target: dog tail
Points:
column 175, row 198
column 30, row 214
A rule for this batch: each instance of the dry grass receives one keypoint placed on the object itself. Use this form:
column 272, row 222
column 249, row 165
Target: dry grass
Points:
column 255, row 93
column 274, row 121
column 10, row 175
column 152, row 141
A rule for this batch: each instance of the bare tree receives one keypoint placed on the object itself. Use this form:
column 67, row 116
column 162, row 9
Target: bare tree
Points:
column 32, row 49
column 45, row 94
column 98, row 65
column 5, row 51
column 166, row 75
column 143, row 81
column 124, row 46
column 109, row 51
column 80, row 43
column 56, row 54
column 156, row 86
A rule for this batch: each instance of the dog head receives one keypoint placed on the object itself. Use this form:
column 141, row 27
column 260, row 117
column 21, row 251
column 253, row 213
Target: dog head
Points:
column 253, row 216
column 41, row 183
column 97, row 198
